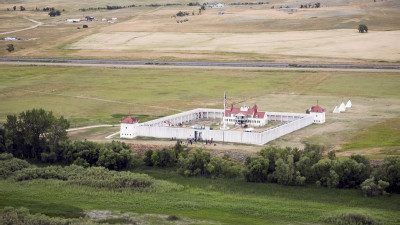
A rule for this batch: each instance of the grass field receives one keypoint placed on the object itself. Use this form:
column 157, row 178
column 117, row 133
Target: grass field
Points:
column 222, row 200
column 88, row 96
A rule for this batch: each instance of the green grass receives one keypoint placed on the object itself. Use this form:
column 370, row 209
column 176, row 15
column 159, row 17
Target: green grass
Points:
column 222, row 200
column 385, row 134
column 88, row 95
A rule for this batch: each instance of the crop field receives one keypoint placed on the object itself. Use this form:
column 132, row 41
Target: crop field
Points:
column 242, row 33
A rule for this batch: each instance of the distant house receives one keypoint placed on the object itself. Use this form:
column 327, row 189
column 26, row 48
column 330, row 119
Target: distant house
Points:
column 216, row 5
column 288, row 9
column 73, row 20
column 11, row 39
column 89, row 18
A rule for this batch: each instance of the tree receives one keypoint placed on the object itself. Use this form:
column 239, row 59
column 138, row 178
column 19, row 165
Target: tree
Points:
column 52, row 13
column 33, row 132
column 256, row 169
column 362, row 28
column 373, row 187
column 390, row 172
column 10, row 47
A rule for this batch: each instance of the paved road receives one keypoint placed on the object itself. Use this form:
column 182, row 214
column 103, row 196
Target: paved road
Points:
column 28, row 28
column 189, row 64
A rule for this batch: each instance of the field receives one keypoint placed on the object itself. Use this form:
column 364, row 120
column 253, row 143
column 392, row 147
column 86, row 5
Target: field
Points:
column 244, row 33
column 92, row 95
column 216, row 201
column 89, row 96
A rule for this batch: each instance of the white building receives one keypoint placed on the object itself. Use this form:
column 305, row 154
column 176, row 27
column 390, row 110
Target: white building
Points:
column 128, row 127
column 318, row 114
column 245, row 116
column 73, row 20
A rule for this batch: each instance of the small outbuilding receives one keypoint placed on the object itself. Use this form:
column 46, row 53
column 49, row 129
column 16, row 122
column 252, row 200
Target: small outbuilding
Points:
column 318, row 113
column 128, row 127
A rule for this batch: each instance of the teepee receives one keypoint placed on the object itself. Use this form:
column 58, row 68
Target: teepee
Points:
column 348, row 104
column 342, row 107
column 336, row 110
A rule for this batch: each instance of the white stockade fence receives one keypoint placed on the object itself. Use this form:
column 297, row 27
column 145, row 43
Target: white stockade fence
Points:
column 164, row 127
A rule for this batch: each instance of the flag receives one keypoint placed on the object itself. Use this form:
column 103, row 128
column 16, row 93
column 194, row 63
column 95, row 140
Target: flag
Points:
column 225, row 101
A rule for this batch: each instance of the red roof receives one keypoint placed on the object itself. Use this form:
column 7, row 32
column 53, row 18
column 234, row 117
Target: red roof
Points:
column 129, row 119
column 250, row 112
column 317, row 108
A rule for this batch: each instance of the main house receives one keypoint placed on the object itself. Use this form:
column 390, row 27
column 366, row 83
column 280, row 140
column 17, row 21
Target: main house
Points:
column 245, row 116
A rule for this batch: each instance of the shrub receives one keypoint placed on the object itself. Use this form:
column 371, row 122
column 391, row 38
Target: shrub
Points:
column 85, row 26
column 98, row 177
column 9, row 165
column 362, row 28
column 373, row 187
column 350, row 218
column 9, row 215
column 222, row 167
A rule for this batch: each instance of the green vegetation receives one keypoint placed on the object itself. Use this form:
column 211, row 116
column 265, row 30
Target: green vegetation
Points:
column 10, row 47
column 94, row 95
column 362, row 28
column 385, row 134
column 229, row 201
column 351, row 218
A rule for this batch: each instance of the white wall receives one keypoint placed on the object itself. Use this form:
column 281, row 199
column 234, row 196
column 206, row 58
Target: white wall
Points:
column 295, row 121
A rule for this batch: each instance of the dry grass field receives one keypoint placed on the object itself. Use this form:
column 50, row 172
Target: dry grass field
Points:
column 244, row 33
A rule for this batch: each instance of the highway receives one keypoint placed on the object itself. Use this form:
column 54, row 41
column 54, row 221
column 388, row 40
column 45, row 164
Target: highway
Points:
column 194, row 64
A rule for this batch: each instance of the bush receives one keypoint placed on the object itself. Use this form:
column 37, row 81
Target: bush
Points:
column 222, row 167
column 9, row 215
column 194, row 164
column 97, row 177
column 362, row 28
column 85, row 26
column 373, row 187
column 9, row 165
column 350, row 218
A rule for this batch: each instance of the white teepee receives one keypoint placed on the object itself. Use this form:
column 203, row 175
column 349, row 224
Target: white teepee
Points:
column 342, row 107
column 336, row 110
column 348, row 104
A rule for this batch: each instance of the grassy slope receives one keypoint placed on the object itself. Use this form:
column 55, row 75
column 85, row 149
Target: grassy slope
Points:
column 227, row 201
column 385, row 134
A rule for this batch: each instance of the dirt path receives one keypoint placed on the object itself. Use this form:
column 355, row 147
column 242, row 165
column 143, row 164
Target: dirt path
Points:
column 28, row 28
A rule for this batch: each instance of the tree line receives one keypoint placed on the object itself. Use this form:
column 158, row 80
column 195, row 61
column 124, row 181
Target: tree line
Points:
column 286, row 166
column 37, row 134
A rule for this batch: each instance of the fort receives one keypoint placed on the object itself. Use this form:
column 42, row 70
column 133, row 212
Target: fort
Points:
column 202, row 124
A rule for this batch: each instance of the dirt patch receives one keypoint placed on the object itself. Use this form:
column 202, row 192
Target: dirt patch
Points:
column 136, row 218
